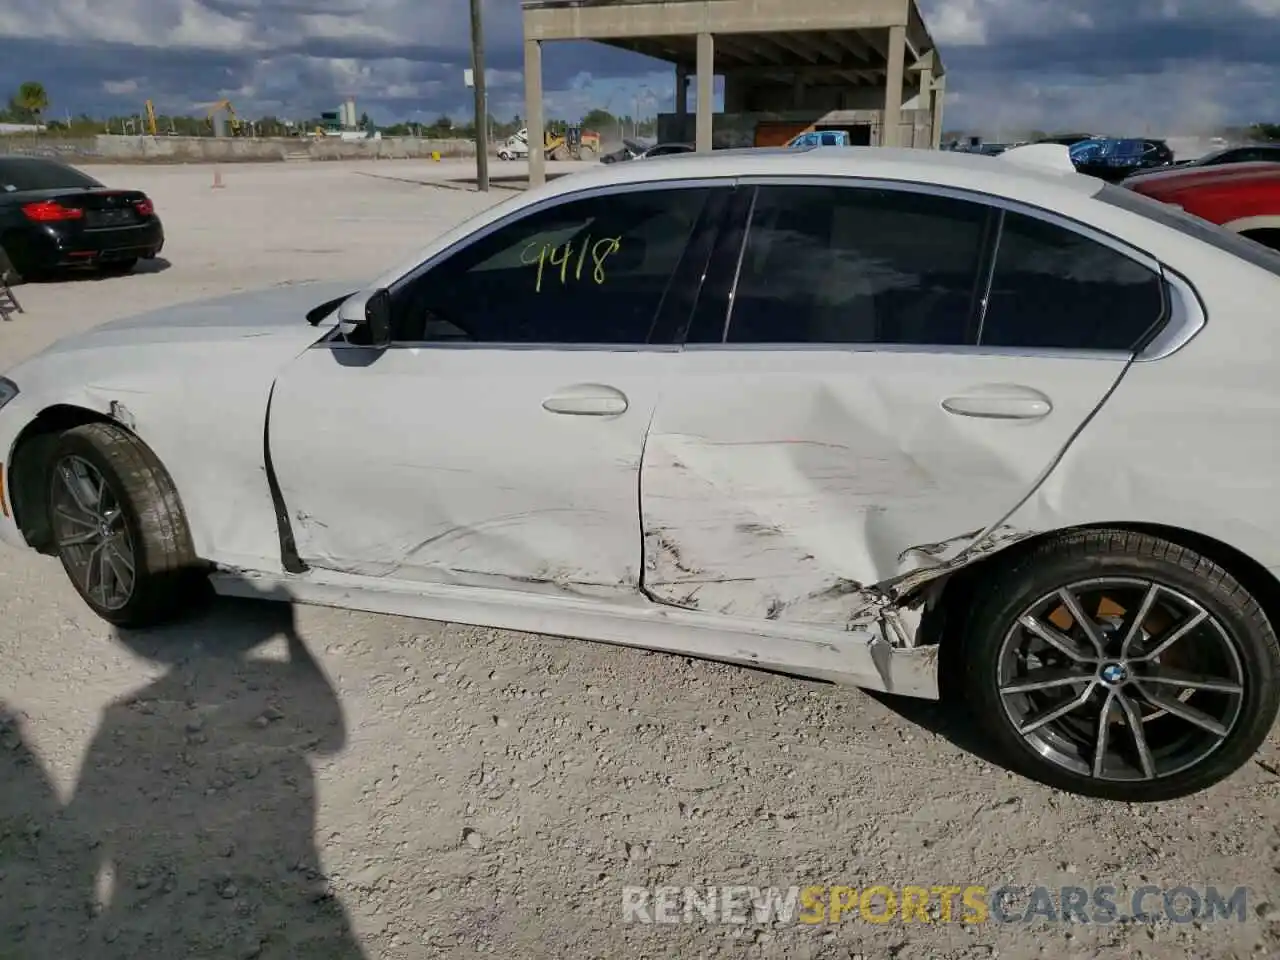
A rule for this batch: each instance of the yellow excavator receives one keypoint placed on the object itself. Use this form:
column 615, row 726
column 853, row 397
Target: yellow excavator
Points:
column 232, row 120
column 151, row 118
column 571, row 142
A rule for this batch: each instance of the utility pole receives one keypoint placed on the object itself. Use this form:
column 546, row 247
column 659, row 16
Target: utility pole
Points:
column 482, row 100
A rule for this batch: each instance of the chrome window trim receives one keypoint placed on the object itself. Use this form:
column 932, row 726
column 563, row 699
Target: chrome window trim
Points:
column 1057, row 353
column 587, row 193
column 732, row 299
column 991, row 275
column 1187, row 317
column 971, row 195
column 516, row 346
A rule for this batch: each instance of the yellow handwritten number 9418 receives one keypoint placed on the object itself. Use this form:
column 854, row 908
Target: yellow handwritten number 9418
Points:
column 541, row 254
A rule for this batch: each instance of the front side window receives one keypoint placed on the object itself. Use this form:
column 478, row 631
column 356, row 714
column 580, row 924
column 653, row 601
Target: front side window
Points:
column 826, row 264
column 593, row 270
column 1054, row 288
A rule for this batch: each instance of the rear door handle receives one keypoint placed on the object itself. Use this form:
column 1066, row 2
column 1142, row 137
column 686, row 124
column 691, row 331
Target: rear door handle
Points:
column 587, row 400
column 1000, row 402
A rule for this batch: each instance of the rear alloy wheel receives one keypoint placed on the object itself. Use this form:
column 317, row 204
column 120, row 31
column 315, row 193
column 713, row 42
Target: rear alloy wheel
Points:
column 118, row 527
column 1118, row 665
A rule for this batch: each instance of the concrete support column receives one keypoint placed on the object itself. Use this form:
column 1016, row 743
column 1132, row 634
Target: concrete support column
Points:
column 706, row 91
column 891, row 127
column 533, row 112
column 682, row 102
column 939, row 95
column 926, row 88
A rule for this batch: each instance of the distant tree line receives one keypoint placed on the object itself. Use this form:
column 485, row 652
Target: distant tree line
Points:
column 30, row 105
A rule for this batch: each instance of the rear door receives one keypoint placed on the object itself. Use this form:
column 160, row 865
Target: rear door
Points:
column 894, row 372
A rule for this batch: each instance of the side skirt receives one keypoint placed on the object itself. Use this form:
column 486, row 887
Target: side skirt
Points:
column 860, row 656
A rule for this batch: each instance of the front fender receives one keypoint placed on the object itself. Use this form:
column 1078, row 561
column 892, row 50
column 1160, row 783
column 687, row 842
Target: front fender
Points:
column 214, row 452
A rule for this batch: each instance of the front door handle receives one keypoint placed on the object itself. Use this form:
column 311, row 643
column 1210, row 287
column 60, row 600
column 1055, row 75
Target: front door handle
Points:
column 587, row 400
column 1000, row 402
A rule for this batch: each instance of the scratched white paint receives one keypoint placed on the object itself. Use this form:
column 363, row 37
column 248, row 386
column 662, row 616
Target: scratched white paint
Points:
column 445, row 465
column 195, row 379
column 776, row 482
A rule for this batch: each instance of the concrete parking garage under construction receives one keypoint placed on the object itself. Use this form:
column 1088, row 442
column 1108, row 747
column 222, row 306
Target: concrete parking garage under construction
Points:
column 868, row 67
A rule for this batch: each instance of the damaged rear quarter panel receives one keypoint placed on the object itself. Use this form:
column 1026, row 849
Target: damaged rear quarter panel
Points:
column 1187, row 442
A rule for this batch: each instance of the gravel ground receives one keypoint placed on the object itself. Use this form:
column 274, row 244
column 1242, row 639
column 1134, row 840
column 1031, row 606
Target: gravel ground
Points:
column 267, row 782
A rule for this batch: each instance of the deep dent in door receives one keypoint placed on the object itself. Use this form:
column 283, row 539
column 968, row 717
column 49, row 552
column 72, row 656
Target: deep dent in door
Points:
column 774, row 529
column 782, row 542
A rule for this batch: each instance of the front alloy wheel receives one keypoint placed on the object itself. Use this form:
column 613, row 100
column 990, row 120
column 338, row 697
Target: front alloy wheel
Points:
column 1118, row 665
column 119, row 528
column 92, row 537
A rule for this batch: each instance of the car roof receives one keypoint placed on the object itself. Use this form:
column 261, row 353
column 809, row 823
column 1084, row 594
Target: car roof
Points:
column 999, row 176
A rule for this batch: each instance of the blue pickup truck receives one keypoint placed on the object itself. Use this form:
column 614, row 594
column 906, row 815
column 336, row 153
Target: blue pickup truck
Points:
column 820, row 138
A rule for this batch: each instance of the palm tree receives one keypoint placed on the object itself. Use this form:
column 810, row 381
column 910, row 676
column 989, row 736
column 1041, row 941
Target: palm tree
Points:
column 33, row 98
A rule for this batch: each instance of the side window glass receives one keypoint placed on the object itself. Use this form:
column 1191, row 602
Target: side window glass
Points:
column 858, row 265
column 585, row 271
column 1053, row 288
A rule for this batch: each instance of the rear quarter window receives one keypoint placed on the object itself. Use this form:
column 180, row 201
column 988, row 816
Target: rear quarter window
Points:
column 19, row 174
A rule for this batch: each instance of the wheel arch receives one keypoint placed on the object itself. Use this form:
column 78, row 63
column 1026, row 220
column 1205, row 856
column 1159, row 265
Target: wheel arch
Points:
column 27, row 462
column 951, row 594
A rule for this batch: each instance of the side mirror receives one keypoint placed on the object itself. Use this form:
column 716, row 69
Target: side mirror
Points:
column 377, row 318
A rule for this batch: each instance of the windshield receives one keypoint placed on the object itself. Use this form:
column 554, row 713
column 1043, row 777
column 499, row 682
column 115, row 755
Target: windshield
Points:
column 28, row 173
column 1191, row 226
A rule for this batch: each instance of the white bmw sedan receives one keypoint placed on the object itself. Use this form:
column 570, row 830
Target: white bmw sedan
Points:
column 845, row 413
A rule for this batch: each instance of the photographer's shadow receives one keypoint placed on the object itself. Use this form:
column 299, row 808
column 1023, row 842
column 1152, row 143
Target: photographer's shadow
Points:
column 199, row 792
column 37, row 919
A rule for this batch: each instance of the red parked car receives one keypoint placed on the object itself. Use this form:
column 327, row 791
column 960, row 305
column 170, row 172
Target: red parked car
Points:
column 1243, row 197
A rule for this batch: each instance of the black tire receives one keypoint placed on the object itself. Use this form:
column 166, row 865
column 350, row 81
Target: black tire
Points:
column 1241, row 628
column 168, row 577
column 118, row 268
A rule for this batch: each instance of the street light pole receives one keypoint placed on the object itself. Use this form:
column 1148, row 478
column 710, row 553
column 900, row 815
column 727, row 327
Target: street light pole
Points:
column 482, row 101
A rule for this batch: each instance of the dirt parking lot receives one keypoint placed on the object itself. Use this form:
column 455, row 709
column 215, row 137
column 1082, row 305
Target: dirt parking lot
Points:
column 262, row 782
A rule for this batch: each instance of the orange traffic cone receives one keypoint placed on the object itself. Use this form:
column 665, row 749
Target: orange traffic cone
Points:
column 217, row 178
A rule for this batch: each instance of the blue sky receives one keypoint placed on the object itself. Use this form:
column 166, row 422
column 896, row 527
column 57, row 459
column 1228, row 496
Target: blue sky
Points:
column 1161, row 65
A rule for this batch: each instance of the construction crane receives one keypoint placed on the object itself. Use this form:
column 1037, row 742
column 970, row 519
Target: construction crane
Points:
column 151, row 118
column 232, row 120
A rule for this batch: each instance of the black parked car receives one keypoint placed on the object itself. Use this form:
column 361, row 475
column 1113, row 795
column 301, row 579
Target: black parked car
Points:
column 53, row 216
column 1249, row 153
column 1158, row 154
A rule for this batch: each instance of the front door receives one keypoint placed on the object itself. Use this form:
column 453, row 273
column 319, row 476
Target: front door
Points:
column 880, row 394
column 497, row 442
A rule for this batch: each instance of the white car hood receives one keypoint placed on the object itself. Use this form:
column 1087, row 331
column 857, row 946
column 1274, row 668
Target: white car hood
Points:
column 273, row 312
column 257, row 330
